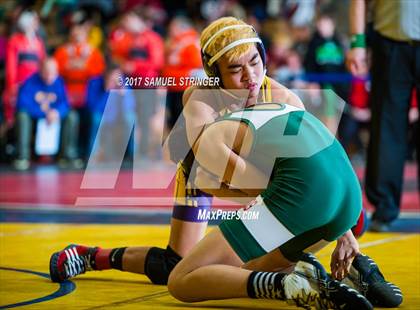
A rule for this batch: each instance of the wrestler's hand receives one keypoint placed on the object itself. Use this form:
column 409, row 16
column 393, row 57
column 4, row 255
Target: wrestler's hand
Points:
column 342, row 257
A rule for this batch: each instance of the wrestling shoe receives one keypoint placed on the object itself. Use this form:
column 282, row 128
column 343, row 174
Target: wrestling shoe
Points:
column 366, row 277
column 310, row 286
column 71, row 261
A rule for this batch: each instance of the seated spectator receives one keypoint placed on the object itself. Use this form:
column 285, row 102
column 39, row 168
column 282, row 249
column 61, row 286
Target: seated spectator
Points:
column 112, row 113
column 43, row 96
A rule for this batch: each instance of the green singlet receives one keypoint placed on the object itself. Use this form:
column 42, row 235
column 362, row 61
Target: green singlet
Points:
column 313, row 193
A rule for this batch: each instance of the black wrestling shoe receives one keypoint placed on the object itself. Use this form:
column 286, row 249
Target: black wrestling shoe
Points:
column 366, row 277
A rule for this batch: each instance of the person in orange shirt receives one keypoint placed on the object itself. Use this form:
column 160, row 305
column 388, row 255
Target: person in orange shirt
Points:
column 136, row 48
column 24, row 52
column 183, row 59
column 140, row 53
column 78, row 62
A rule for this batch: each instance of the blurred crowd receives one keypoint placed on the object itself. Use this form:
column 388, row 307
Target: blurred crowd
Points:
column 77, row 64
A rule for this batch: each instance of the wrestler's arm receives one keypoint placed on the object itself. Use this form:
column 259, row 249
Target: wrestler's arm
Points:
column 211, row 184
column 197, row 113
column 217, row 151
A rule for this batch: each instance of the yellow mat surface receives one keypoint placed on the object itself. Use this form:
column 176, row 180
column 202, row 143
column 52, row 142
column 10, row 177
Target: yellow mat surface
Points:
column 25, row 250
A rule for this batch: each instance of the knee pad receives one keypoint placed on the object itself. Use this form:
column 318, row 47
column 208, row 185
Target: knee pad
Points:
column 159, row 264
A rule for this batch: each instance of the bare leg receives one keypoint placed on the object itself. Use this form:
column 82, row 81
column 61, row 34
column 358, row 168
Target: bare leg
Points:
column 273, row 261
column 212, row 271
column 133, row 259
column 190, row 280
column 185, row 235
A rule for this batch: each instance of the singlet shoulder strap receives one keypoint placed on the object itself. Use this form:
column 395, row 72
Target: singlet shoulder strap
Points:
column 266, row 89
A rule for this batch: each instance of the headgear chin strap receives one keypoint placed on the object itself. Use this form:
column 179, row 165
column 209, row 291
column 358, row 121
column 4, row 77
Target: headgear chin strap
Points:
column 209, row 61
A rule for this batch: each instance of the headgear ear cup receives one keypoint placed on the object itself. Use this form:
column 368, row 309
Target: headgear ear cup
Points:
column 210, row 70
column 261, row 50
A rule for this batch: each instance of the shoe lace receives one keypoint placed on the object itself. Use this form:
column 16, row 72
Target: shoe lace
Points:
column 324, row 301
column 75, row 264
column 305, row 300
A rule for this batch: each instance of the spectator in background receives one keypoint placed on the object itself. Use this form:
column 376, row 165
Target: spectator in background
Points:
column 140, row 53
column 91, row 21
column 106, row 94
column 325, row 51
column 136, row 48
column 300, row 15
column 325, row 64
column 292, row 75
column 78, row 61
column 43, row 96
column 183, row 59
column 25, row 50
column 356, row 118
column 278, row 51
column 154, row 12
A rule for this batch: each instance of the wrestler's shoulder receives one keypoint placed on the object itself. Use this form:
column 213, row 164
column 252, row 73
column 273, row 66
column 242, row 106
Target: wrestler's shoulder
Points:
column 191, row 89
column 281, row 93
column 276, row 85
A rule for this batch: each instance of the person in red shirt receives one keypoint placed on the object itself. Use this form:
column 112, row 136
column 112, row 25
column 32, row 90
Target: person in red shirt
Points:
column 140, row 53
column 24, row 52
column 183, row 59
column 78, row 62
column 138, row 49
